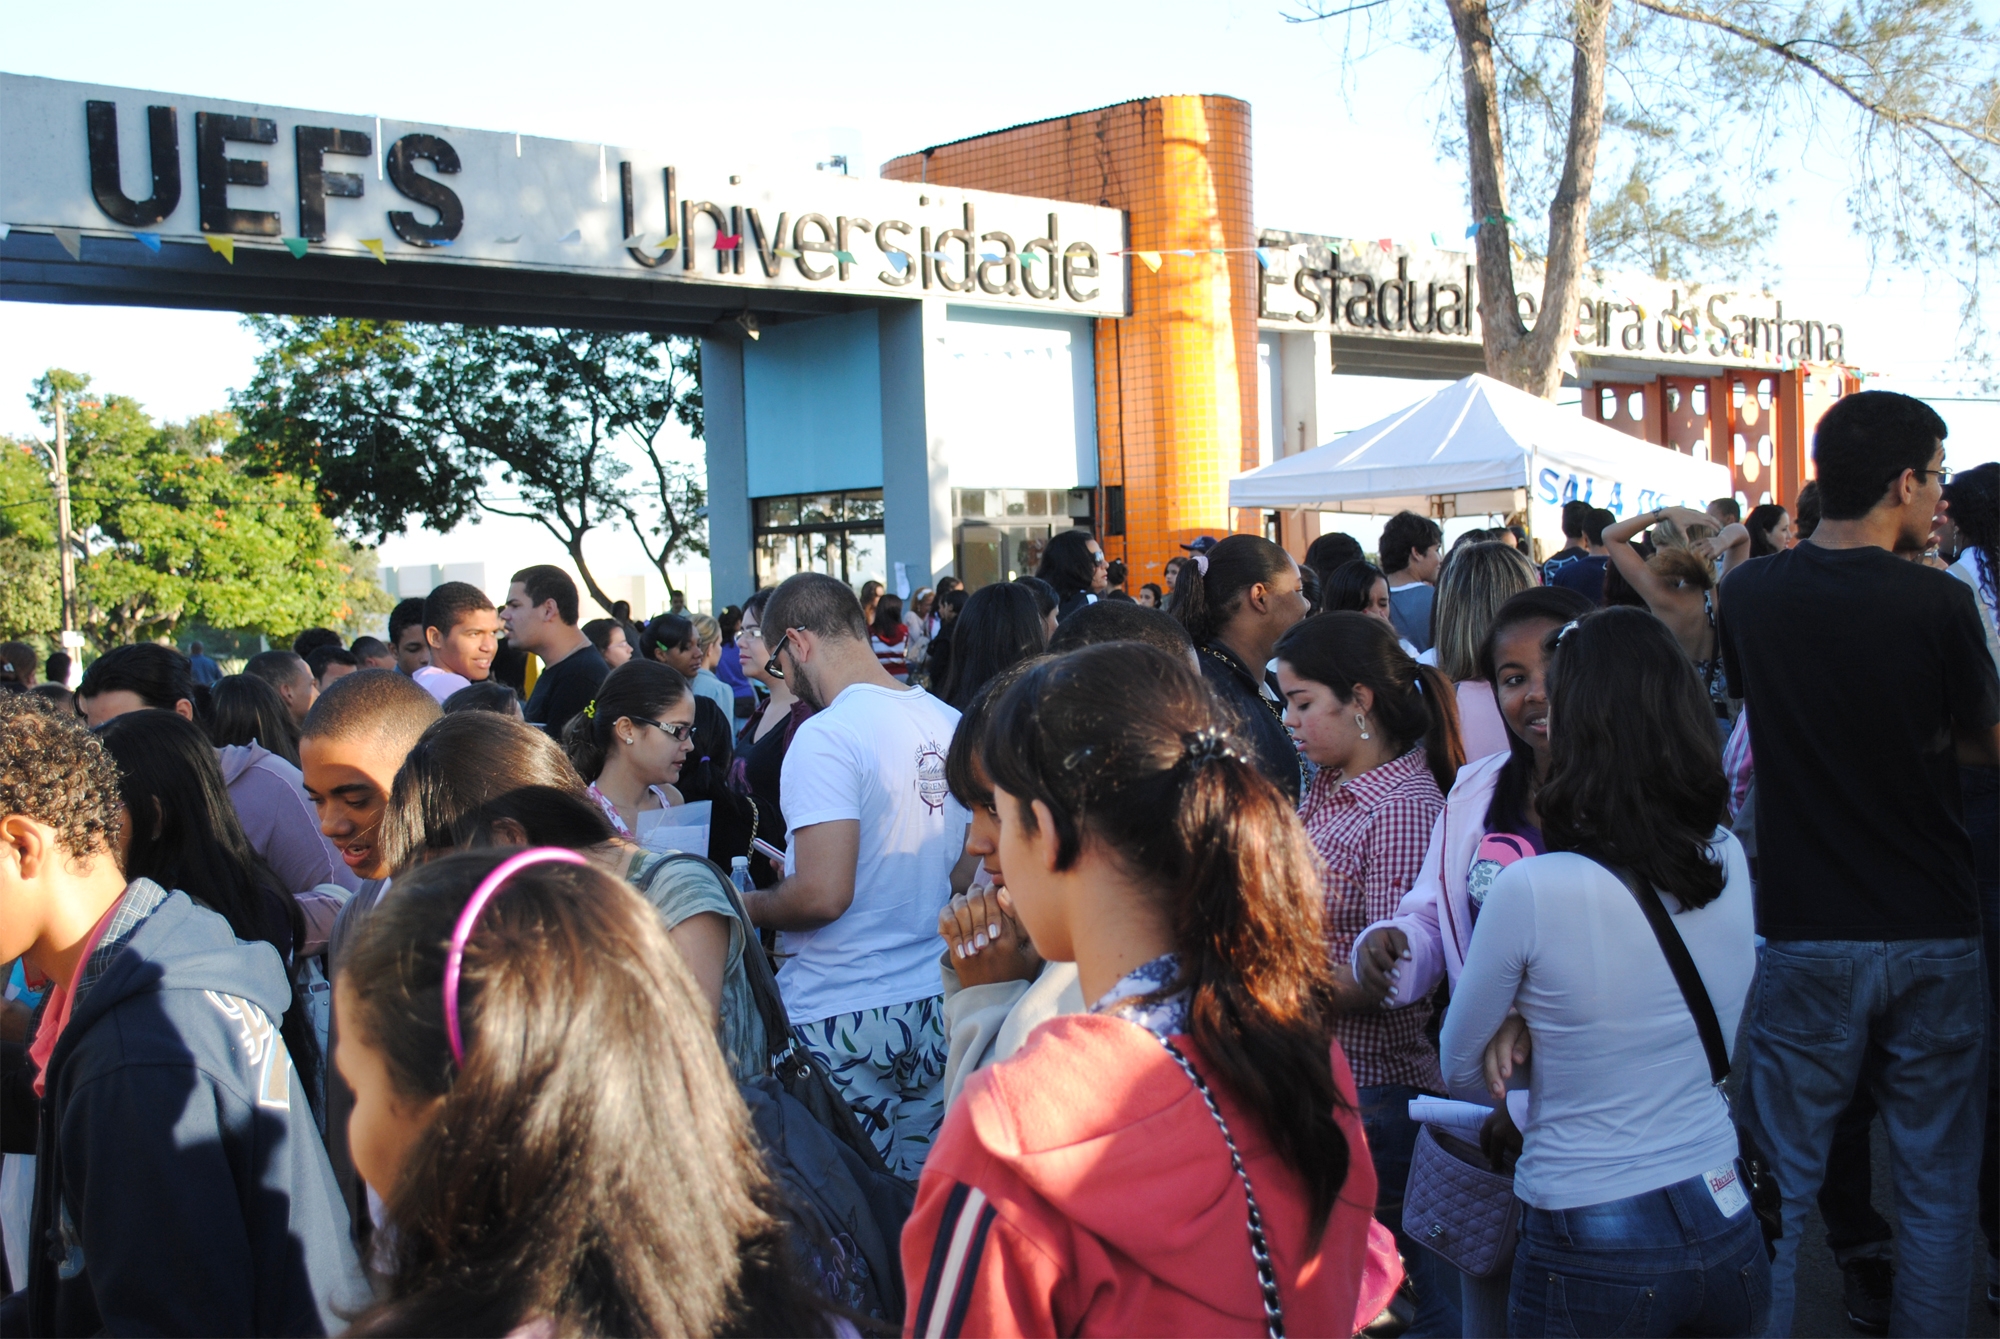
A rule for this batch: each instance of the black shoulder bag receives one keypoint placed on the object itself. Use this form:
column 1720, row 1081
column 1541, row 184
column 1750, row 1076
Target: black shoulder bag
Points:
column 1766, row 1200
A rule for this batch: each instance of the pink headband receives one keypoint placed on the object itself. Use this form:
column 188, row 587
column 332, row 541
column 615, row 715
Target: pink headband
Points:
column 455, row 959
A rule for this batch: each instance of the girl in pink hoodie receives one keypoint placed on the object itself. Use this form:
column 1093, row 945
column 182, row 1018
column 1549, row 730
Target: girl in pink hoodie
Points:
column 1186, row 1157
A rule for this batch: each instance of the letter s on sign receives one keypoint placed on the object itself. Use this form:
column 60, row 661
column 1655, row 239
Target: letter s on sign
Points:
column 402, row 167
column 1545, row 486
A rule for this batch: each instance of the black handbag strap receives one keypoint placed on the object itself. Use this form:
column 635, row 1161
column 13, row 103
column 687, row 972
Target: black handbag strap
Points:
column 1686, row 975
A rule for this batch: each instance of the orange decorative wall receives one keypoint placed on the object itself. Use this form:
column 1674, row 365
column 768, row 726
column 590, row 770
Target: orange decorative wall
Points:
column 1177, row 379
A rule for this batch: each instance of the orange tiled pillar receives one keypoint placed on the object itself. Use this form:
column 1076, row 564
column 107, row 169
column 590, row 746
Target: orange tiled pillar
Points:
column 1177, row 379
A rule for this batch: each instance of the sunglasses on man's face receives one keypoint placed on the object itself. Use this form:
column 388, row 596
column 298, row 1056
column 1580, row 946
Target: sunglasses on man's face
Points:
column 771, row 666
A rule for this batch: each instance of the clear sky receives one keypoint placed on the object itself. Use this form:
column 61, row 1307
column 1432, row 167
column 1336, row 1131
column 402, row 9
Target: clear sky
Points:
column 1346, row 150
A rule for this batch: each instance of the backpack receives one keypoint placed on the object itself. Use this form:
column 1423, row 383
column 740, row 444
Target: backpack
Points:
column 847, row 1207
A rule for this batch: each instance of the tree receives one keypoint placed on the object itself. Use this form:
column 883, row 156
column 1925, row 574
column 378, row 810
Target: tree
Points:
column 399, row 420
column 172, row 528
column 1690, row 100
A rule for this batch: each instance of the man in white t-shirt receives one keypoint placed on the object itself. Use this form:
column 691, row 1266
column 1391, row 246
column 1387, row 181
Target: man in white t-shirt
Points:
column 875, row 837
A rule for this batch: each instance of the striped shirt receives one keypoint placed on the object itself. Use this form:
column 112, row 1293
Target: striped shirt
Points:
column 1371, row 833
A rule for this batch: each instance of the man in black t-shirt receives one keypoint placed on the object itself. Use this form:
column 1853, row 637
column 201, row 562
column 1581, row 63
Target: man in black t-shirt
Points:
column 540, row 615
column 1867, row 681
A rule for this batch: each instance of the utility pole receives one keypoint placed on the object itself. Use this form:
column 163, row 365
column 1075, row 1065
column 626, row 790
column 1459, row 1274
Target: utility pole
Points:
column 70, row 638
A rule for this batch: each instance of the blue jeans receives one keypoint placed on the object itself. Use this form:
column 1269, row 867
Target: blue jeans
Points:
column 1817, row 1010
column 1392, row 1138
column 1664, row 1262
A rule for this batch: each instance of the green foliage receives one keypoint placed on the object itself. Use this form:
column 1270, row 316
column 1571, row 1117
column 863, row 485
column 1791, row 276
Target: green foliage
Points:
column 400, row 421
column 1710, row 104
column 30, row 588
column 172, row 528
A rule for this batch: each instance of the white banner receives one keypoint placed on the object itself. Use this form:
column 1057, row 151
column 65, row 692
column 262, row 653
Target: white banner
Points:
column 145, row 166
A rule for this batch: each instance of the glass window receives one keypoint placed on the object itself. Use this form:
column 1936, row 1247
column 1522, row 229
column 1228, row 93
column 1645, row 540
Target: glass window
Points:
column 838, row 534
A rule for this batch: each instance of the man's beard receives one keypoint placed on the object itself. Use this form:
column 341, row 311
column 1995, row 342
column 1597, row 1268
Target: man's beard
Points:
column 804, row 689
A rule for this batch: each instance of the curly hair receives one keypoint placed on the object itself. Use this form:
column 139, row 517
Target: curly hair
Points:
column 53, row 770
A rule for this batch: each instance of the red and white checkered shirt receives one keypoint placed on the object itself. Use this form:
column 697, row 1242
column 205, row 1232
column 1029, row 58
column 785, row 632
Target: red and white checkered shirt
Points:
column 1371, row 833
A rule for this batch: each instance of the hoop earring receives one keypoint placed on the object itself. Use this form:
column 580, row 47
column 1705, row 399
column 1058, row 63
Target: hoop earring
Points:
column 1362, row 721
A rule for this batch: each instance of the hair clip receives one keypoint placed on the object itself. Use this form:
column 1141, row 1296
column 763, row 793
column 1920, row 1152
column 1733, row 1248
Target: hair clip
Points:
column 590, row 711
column 1207, row 746
column 1562, row 634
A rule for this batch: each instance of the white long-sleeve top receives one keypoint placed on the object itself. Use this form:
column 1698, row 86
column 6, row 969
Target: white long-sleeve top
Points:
column 1621, row 1100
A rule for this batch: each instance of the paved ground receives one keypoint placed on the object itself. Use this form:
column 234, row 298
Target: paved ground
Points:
column 1820, row 1314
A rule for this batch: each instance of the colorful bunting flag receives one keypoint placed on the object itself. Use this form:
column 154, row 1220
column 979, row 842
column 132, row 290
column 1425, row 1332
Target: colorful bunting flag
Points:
column 149, row 240
column 374, row 245
column 845, row 257
column 1151, row 259
column 1434, row 240
column 786, row 253
column 4, row 230
column 636, row 240
column 1472, row 231
column 508, row 241
column 728, row 241
column 297, row 246
column 1186, row 252
column 72, row 241
column 1263, row 258
column 669, row 242
column 573, row 236
column 224, row 247
column 898, row 261
column 992, row 257
column 1386, row 245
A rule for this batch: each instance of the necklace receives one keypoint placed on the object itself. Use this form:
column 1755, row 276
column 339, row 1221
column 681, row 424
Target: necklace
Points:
column 1230, row 662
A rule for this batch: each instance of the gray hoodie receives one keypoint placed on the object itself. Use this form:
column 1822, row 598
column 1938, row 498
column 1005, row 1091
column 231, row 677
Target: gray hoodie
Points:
column 271, row 803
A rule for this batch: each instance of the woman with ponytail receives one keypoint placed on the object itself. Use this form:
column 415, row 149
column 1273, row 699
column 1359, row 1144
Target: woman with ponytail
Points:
column 1098, row 1180
column 1383, row 731
column 1235, row 601
column 629, row 743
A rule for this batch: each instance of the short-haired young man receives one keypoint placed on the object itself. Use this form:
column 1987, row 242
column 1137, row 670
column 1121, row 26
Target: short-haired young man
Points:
column 181, row 1185
column 328, row 663
column 1584, row 574
column 1412, row 551
column 541, row 614
column 1725, row 512
column 406, row 635
column 463, row 630
column 373, row 653
column 312, row 639
column 1573, row 514
column 133, row 678
column 287, row 672
column 874, row 837
column 1110, row 621
column 353, row 742
column 1331, row 552
column 1867, row 682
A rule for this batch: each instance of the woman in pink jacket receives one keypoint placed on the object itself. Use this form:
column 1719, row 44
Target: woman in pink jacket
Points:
column 1489, row 822
column 1186, row 1157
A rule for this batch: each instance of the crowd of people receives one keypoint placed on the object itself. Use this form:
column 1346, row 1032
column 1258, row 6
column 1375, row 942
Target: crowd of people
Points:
column 1443, row 944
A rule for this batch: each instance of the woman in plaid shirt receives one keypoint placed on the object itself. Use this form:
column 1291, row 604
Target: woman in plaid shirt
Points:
column 1384, row 732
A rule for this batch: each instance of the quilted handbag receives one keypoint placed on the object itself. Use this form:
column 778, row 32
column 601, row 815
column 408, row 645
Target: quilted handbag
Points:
column 1458, row 1207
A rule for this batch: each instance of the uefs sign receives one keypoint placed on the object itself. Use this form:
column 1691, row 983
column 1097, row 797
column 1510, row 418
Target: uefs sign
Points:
column 111, row 160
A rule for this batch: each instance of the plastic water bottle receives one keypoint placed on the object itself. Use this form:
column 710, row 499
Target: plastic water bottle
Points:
column 739, row 873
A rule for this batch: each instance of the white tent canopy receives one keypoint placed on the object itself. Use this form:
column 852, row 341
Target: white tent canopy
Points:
column 1477, row 441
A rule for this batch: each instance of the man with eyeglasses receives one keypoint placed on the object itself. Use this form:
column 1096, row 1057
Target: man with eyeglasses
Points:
column 874, row 839
column 1868, row 682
